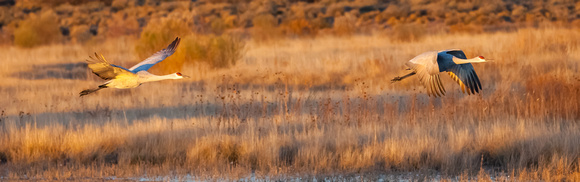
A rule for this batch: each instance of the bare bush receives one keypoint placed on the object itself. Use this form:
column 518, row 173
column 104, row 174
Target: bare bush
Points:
column 265, row 28
column 81, row 34
column 220, row 51
column 157, row 35
column 345, row 25
column 122, row 25
column 38, row 30
column 300, row 27
column 407, row 32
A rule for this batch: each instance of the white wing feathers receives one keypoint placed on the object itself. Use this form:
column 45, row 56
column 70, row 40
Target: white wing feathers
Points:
column 427, row 68
column 156, row 58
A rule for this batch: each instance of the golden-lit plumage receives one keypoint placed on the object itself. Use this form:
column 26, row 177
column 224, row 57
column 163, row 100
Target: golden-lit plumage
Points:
column 122, row 78
column 102, row 68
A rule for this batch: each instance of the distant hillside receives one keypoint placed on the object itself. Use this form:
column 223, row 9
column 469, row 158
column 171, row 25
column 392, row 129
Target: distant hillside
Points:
column 81, row 20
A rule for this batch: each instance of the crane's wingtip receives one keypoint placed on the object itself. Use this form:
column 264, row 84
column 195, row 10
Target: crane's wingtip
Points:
column 174, row 44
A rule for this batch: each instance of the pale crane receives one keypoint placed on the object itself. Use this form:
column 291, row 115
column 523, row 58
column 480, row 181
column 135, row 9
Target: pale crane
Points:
column 429, row 64
column 123, row 78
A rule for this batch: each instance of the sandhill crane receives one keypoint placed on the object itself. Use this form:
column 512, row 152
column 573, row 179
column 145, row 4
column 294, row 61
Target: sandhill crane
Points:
column 123, row 78
column 429, row 64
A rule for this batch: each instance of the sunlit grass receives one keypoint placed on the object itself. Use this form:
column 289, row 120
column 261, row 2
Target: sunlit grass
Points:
column 319, row 107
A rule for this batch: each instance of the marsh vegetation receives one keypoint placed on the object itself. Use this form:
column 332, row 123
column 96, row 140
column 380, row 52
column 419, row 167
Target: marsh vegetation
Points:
column 279, row 105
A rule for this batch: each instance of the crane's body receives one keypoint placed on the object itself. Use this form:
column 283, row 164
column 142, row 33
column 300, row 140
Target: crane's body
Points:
column 122, row 78
column 428, row 65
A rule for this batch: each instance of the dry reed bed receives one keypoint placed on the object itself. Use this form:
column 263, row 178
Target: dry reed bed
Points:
column 307, row 107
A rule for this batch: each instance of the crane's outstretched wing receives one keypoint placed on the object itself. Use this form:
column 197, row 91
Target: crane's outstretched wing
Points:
column 104, row 69
column 426, row 67
column 463, row 74
column 432, row 82
column 156, row 58
column 456, row 52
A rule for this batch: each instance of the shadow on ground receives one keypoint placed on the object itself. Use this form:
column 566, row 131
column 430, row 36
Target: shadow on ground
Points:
column 237, row 111
column 71, row 71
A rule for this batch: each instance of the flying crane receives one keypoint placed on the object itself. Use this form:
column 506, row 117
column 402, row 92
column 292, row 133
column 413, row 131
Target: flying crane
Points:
column 123, row 78
column 454, row 62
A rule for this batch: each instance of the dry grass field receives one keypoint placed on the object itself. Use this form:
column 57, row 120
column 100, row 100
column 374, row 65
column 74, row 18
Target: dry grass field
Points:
column 299, row 107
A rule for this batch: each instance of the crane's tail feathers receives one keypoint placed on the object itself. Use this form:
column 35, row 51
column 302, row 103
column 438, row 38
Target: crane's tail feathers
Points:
column 89, row 91
column 399, row 78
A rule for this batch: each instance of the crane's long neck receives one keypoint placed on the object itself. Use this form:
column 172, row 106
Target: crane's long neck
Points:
column 465, row 61
column 152, row 77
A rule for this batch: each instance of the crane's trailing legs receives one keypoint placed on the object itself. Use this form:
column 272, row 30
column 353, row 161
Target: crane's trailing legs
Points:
column 399, row 78
column 89, row 91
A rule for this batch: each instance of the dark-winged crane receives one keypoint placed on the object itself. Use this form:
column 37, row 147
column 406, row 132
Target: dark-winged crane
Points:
column 429, row 64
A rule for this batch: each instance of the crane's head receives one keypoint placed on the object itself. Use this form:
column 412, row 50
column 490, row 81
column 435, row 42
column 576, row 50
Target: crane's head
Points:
column 480, row 59
column 178, row 75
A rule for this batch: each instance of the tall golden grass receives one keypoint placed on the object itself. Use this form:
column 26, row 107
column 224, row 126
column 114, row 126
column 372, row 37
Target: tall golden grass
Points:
column 300, row 107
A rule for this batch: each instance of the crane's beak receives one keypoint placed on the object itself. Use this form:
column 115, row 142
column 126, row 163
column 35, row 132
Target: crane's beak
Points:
column 185, row 76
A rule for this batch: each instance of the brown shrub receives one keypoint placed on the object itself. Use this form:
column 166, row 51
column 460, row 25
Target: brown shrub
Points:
column 491, row 7
column 80, row 34
column 408, row 32
column 54, row 3
column 8, row 26
column 230, row 21
column 38, row 30
column 465, row 6
column 157, row 35
column 345, row 25
column 224, row 51
column 121, row 24
column 5, row 15
column 335, row 10
column 392, row 21
column 5, row 37
column 575, row 23
column 300, row 27
column 65, row 10
column 120, row 4
column 322, row 22
column 265, row 28
column 218, row 26
column 395, row 10
column 216, row 51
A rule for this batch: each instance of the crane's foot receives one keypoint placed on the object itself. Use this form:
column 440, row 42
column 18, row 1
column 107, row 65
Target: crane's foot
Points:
column 399, row 78
column 396, row 79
